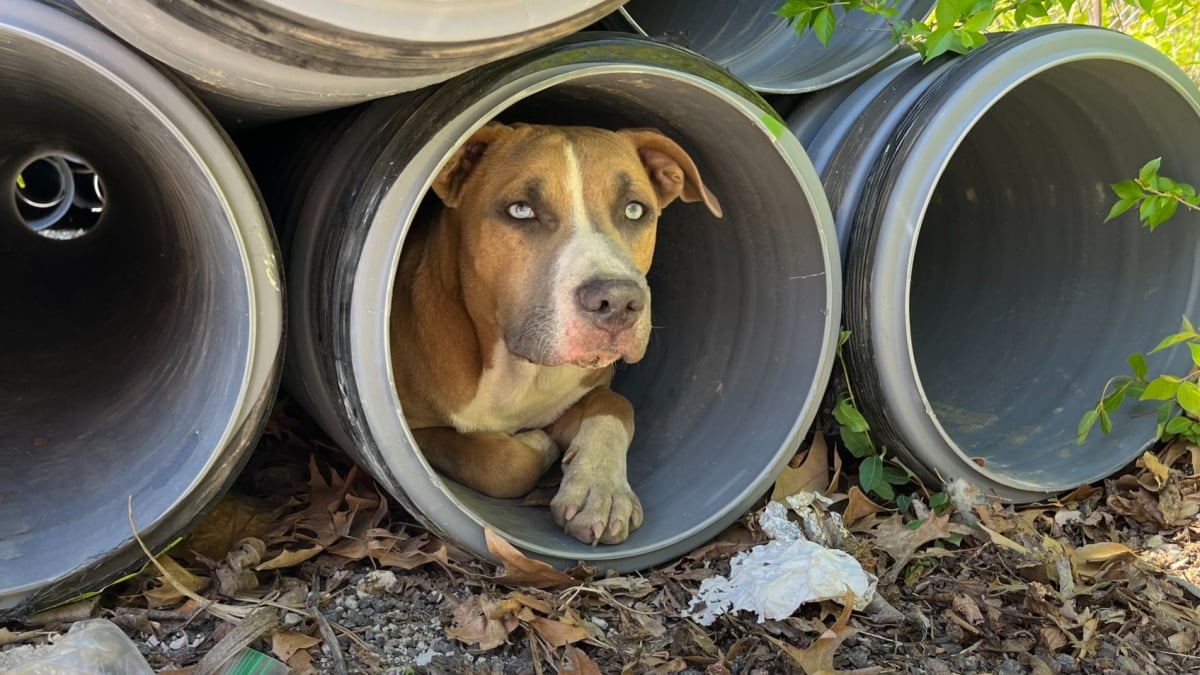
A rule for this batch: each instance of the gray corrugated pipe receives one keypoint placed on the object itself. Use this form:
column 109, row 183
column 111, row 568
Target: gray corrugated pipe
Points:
column 759, row 47
column 139, row 358
column 988, row 299
column 746, row 308
column 271, row 59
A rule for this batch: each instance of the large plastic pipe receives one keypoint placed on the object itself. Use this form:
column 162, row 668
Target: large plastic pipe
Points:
column 761, row 48
column 266, row 59
column 45, row 192
column 746, row 308
column 988, row 300
column 139, row 359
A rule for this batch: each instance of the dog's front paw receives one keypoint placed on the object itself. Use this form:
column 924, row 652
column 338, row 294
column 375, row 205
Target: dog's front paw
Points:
column 596, row 508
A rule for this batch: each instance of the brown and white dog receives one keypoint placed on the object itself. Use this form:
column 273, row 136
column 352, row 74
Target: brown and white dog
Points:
column 511, row 308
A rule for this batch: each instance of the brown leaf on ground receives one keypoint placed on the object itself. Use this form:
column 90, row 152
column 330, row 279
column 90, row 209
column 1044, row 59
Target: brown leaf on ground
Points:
column 234, row 518
column 576, row 662
column 290, row 558
column 520, row 570
column 285, row 643
column 817, row 658
column 1090, row 559
column 1156, row 473
column 858, row 507
column 167, row 593
column 897, row 539
column 557, row 633
column 484, row 622
column 805, row 473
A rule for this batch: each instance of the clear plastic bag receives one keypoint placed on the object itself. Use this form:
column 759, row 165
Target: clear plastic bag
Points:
column 95, row 647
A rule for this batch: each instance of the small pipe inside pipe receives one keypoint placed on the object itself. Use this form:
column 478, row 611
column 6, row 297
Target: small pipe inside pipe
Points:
column 42, row 184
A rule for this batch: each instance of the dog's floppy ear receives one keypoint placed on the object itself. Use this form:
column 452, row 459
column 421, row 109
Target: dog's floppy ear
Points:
column 448, row 184
column 672, row 170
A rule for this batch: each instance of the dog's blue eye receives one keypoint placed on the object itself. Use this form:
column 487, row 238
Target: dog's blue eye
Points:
column 521, row 211
column 634, row 211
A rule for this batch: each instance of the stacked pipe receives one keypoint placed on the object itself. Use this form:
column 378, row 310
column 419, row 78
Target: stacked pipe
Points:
column 987, row 301
column 142, row 307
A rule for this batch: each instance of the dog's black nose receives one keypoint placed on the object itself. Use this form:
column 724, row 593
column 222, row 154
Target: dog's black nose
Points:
column 612, row 304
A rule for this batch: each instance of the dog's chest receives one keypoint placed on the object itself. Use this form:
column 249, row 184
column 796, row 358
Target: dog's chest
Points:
column 514, row 394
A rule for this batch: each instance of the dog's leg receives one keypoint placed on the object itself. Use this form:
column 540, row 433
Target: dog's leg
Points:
column 498, row 465
column 594, row 502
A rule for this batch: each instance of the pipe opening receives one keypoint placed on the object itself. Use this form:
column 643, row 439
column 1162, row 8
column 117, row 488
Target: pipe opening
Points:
column 124, row 352
column 1023, row 301
column 741, row 315
column 59, row 196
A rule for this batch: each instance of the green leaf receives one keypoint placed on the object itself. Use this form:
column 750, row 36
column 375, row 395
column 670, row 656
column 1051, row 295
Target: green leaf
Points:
column 939, row 502
column 894, row 475
column 946, row 13
column 1188, row 396
column 1150, row 169
column 1172, row 340
column 870, row 473
column 1113, row 401
column 954, row 539
column 885, row 491
column 1121, row 206
column 1161, row 388
column 1164, row 208
column 1127, row 189
column 849, row 417
column 940, row 41
column 1147, row 210
column 1177, row 425
column 824, row 24
column 1086, row 424
column 1195, row 349
column 1105, row 421
column 1186, row 326
column 857, row 442
column 1138, row 363
column 903, row 502
column 1164, row 416
column 979, row 22
column 843, row 336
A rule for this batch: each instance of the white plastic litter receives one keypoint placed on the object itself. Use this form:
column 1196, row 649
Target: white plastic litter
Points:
column 774, row 579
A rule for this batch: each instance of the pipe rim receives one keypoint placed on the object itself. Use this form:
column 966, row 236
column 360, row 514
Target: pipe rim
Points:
column 381, row 251
column 191, row 127
column 932, row 141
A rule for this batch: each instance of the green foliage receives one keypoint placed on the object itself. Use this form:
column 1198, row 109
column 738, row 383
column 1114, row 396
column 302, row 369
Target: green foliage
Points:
column 1157, row 197
column 959, row 26
column 877, row 474
column 1180, row 396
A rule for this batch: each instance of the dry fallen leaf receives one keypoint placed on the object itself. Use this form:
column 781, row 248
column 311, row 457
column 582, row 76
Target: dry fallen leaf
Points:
column 557, row 633
column 167, row 593
column 520, row 570
column 809, row 474
column 235, row 517
column 817, row 658
column 858, row 507
column 285, row 643
column 290, row 558
column 576, row 662
column 484, row 622
column 1156, row 474
column 1090, row 559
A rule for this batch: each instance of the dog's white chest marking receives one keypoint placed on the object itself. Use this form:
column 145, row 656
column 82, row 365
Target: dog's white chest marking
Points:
column 514, row 394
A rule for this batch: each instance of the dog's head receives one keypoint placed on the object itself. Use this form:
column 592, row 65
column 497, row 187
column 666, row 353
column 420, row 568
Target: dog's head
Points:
column 558, row 223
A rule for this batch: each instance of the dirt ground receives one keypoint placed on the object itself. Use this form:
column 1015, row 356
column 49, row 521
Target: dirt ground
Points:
column 306, row 560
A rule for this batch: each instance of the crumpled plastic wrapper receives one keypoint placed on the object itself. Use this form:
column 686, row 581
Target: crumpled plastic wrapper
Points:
column 774, row 579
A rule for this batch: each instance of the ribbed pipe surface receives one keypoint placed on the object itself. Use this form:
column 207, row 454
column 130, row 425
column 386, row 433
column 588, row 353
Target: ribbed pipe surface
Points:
column 137, row 359
column 759, row 47
column 256, row 60
column 988, row 300
column 746, row 308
